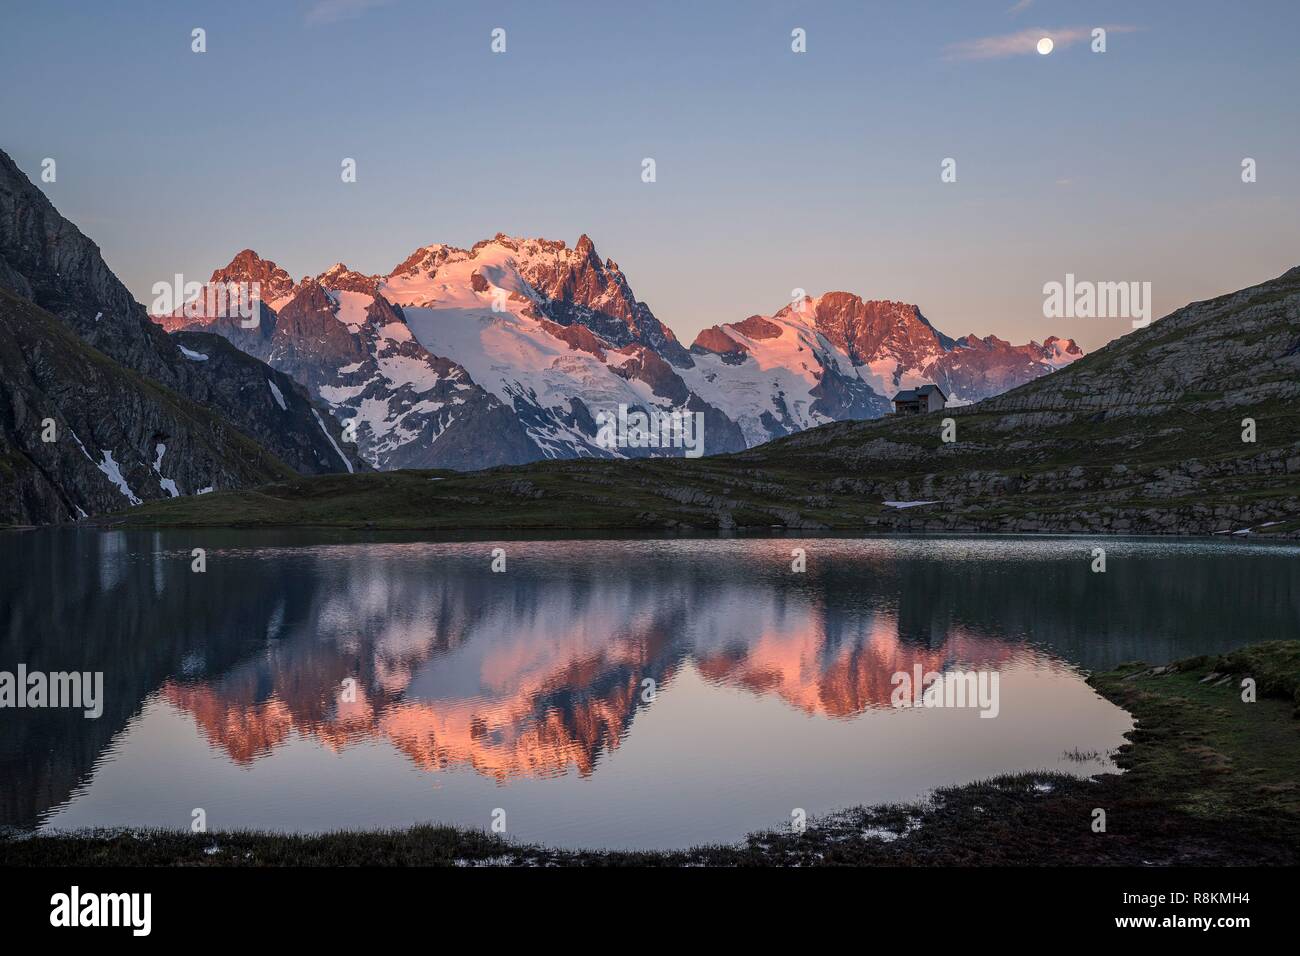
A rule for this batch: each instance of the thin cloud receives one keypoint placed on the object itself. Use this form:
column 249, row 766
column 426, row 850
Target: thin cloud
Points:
column 332, row 11
column 1022, row 42
column 1020, row 7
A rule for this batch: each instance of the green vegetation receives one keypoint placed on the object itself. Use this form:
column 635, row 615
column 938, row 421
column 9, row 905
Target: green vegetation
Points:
column 1208, row 779
column 1209, row 756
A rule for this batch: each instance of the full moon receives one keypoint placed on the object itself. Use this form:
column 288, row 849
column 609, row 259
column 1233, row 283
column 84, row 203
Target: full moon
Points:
column 1045, row 45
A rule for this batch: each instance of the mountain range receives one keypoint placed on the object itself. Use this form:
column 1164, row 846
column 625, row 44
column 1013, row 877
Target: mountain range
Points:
column 507, row 352
column 502, row 354
column 1190, row 425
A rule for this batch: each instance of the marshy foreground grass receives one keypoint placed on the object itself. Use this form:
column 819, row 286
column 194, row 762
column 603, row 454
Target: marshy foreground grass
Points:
column 1209, row 778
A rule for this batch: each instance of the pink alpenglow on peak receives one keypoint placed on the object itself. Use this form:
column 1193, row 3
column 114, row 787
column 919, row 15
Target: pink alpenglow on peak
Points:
column 838, row 356
column 517, row 348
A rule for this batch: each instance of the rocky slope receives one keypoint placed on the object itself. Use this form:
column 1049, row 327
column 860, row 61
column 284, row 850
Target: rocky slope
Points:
column 250, row 423
column 50, row 262
column 1188, row 426
column 115, row 438
column 280, row 413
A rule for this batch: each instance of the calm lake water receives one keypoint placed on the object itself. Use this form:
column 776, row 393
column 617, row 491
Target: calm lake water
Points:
column 639, row 693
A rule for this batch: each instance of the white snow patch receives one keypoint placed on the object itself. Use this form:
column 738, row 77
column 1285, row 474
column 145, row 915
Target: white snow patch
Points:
column 277, row 394
column 166, row 484
column 336, row 395
column 114, row 474
column 352, row 307
column 907, row 504
column 192, row 355
column 396, row 332
column 404, row 370
column 330, row 438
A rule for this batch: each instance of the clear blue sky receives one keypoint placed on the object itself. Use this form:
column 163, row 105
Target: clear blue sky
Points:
column 775, row 170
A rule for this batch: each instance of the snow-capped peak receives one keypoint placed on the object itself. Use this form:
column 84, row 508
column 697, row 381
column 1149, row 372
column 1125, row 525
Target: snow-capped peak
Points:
column 545, row 336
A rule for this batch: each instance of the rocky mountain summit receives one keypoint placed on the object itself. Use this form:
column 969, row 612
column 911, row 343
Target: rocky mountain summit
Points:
column 568, row 286
column 837, row 357
column 353, row 351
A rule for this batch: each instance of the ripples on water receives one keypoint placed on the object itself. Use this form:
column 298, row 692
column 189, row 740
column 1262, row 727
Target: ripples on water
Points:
column 645, row 693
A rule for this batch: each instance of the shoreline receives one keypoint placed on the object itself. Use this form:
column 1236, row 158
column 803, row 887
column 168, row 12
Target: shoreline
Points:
column 1208, row 779
column 632, row 533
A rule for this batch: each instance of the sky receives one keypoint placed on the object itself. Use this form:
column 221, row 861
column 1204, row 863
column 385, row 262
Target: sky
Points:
column 775, row 170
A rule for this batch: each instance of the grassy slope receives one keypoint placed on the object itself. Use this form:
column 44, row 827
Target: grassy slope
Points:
column 1142, row 436
column 786, row 487
column 1209, row 779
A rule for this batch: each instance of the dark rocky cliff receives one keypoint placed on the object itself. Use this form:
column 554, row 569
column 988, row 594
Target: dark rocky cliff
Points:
column 47, row 260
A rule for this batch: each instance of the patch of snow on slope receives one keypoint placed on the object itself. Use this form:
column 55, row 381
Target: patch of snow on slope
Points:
column 277, row 395
column 352, row 308
column 166, row 484
column 395, row 332
column 403, row 370
column 192, row 355
column 347, row 463
column 375, row 413
column 114, row 474
column 338, row 394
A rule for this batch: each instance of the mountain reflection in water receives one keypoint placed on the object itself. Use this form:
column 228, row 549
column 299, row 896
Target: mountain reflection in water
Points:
column 619, row 693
